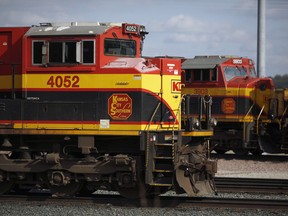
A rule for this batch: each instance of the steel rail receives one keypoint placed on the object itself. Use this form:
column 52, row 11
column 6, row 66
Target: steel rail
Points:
column 265, row 158
column 259, row 185
column 160, row 202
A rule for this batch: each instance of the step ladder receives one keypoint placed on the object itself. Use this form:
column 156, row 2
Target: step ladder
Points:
column 160, row 159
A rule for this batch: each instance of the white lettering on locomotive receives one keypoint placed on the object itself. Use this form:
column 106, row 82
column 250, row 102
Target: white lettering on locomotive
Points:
column 131, row 28
column 237, row 61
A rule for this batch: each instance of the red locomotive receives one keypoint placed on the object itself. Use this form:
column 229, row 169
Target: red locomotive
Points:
column 246, row 107
column 81, row 109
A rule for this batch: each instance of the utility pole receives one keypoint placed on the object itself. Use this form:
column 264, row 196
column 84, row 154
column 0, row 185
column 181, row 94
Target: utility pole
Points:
column 261, row 36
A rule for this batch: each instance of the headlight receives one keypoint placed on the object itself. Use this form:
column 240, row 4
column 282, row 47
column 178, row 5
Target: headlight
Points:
column 213, row 122
column 195, row 123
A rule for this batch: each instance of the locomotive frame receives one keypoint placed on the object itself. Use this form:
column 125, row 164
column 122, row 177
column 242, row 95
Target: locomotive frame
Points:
column 81, row 109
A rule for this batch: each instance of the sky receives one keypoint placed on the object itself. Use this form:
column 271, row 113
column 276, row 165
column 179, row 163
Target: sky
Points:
column 185, row 28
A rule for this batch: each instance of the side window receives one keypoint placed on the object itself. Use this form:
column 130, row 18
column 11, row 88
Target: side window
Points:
column 205, row 74
column 56, row 52
column 37, row 52
column 197, row 74
column 70, row 52
column 63, row 52
column 188, row 75
column 88, row 52
column 214, row 74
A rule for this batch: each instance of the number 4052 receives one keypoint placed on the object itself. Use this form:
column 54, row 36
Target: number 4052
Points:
column 63, row 81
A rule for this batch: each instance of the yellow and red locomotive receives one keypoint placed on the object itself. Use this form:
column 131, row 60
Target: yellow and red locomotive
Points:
column 80, row 109
column 246, row 107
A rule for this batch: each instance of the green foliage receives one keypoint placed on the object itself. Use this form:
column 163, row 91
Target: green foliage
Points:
column 281, row 81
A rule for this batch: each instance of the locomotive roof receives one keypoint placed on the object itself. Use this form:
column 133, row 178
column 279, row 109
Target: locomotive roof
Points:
column 203, row 62
column 74, row 28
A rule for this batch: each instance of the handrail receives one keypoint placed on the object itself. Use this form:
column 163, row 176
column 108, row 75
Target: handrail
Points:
column 257, row 121
column 176, row 115
column 261, row 112
column 284, row 113
column 249, row 111
column 154, row 113
column 244, row 124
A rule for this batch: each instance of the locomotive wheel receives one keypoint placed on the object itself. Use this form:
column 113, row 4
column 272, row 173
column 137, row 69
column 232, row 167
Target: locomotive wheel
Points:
column 65, row 190
column 22, row 188
column 268, row 144
column 256, row 152
column 6, row 186
column 137, row 192
column 85, row 190
column 220, row 151
column 240, row 151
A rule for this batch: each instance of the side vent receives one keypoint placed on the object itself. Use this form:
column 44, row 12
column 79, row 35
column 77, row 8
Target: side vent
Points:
column 2, row 107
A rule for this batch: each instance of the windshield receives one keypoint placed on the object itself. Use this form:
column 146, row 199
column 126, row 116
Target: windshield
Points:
column 120, row 47
column 253, row 72
column 231, row 72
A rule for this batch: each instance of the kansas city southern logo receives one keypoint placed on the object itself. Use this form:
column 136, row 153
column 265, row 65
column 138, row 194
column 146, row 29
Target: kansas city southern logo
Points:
column 228, row 105
column 119, row 106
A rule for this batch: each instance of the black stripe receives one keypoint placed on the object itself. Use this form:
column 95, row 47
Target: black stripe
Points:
column 80, row 106
column 242, row 106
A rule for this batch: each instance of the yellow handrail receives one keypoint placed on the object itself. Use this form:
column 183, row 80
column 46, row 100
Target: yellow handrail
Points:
column 249, row 111
column 257, row 121
column 244, row 125
column 151, row 119
column 284, row 113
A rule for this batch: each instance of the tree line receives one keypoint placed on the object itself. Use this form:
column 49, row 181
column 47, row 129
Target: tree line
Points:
column 281, row 81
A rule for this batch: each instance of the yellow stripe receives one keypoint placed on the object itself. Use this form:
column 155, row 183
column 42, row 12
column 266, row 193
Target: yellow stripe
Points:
column 6, row 81
column 219, row 91
column 93, row 81
column 94, row 127
column 67, row 132
column 232, row 92
column 159, row 184
column 198, row 133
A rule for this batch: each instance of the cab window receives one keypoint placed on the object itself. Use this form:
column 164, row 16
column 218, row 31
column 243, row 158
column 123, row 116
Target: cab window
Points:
column 118, row 47
column 63, row 52
column 37, row 52
column 88, row 56
column 201, row 75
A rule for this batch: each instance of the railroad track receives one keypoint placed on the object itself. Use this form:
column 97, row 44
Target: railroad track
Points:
column 160, row 202
column 230, row 185
column 224, row 184
column 278, row 158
